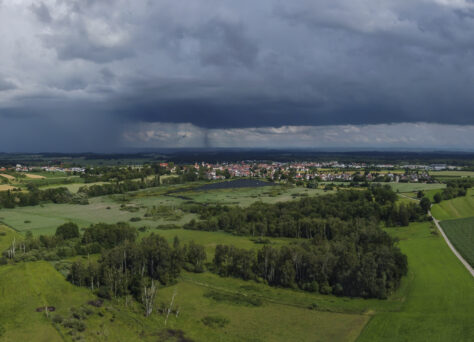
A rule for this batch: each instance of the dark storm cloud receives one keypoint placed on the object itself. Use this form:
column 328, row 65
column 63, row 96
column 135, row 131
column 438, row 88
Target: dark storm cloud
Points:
column 221, row 64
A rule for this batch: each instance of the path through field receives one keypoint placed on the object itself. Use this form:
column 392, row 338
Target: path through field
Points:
column 456, row 253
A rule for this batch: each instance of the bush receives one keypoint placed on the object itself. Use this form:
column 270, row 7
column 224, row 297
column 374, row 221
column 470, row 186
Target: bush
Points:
column 325, row 288
column 58, row 319
column 215, row 321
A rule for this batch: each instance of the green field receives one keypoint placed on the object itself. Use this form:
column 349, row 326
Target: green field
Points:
column 7, row 235
column 451, row 173
column 410, row 187
column 211, row 239
column 461, row 234
column 27, row 286
column 46, row 218
column 439, row 294
column 73, row 187
column 458, row 207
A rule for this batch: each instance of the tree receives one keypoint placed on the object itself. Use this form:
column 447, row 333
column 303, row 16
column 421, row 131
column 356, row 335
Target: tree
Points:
column 425, row 204
column 437, row 198
column 67, row 231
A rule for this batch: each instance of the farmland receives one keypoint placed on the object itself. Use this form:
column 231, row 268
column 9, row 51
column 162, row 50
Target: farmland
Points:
column 6, row 187
column 461, row 234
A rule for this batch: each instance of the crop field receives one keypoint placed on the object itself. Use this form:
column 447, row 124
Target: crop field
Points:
column 451, row 173
column 461, row 234
column 34, row 176
column 439, row 293
column 9, row 177
column 458, row 207
column 6, row 187
column 410, row 187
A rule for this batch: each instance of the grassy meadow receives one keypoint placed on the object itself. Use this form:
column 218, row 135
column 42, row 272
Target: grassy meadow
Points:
column 439, row 294
column 458, row 207
column 412, row 187
column 461, row 234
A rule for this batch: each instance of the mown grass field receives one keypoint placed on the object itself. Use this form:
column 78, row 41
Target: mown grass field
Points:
column 461, row 234
column 439, row 294
column 458, row 207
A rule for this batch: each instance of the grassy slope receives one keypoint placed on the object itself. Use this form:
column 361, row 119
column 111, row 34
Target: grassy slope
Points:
column 26, row 286
column 6, row 240
column 440, row 294
column 458, row 207
column 461, row 234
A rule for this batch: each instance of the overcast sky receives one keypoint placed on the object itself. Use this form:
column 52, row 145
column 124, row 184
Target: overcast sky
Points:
column 85, row 75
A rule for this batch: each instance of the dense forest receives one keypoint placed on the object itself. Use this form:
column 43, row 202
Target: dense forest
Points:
column 359, row 262
column 311, row 217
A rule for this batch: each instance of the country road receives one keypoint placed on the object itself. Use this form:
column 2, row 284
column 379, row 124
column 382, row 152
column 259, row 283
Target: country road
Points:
column 464, row 262
column 456, row 253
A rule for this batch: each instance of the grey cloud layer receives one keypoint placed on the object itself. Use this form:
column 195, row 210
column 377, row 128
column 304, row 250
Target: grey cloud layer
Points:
column 237, row 64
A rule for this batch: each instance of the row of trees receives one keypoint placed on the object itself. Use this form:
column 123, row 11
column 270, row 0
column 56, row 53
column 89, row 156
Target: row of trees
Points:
column 454, row 188
column 11, row 199
column 130, row 268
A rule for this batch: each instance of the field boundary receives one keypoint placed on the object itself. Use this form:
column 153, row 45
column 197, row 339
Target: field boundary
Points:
column 456, row 253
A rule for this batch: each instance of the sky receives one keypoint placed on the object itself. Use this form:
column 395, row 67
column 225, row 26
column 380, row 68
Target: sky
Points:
column 101, row 76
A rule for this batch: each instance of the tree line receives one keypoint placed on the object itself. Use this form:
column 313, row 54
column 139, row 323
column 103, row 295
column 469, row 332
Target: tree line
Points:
column 362, row 262
column 310, row 216
column 454, row 188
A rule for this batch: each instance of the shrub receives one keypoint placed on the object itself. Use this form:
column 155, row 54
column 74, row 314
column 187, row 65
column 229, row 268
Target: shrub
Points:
column 58, row 319
column 215, row 321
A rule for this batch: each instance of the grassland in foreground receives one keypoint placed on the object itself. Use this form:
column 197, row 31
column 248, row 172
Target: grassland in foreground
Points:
column 439, row 294
column 28, row 286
